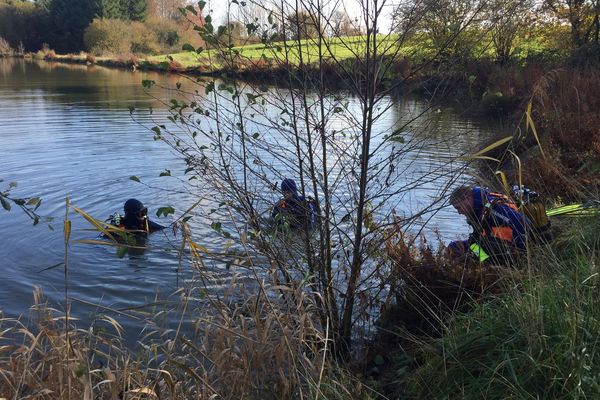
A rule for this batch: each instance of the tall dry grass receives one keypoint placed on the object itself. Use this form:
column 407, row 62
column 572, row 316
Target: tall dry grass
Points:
column 259, row 348
column 566, row 108
column 257, row 339
column 38, row 360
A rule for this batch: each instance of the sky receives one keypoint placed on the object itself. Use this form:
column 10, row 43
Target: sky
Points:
column 351, row 7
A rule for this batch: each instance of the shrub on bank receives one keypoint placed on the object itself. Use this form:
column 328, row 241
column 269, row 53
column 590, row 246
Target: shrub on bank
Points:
column 142, row 39
column 115, row 36
column 118, row 37
column 168, row 35
column 22, row 24
column 107, row 36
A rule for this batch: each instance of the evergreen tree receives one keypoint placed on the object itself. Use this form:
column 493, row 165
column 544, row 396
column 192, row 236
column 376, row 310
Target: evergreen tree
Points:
column 136, row 10
column 112, row 9
column 68, row 19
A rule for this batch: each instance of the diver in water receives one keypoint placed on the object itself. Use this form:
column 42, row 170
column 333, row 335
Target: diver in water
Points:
column 296, row 210
column 136, row 218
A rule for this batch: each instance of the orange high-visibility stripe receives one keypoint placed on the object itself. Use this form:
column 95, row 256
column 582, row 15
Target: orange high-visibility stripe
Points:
column 502, row 232
column 504, row 200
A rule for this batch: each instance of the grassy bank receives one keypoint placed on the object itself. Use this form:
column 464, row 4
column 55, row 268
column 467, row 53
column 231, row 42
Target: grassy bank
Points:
column 540, row 340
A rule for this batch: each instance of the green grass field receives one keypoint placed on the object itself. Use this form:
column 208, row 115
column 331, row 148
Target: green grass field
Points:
column 417, row 48
column 341, row 48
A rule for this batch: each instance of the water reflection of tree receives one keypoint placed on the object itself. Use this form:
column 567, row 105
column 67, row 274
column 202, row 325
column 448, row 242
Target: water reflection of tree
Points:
column 82, row 85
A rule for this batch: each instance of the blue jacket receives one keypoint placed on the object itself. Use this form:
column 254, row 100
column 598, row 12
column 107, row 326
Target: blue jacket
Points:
column 496, row 216
column 297, row 207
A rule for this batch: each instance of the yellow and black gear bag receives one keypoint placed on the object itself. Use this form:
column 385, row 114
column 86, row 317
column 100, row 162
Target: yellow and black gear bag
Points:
column 536, row 212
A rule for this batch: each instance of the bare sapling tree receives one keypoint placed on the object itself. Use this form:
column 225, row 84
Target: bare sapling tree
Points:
column 322, row 110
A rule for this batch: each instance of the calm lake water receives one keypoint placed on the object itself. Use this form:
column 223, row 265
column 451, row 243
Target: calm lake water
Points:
column 67, row 131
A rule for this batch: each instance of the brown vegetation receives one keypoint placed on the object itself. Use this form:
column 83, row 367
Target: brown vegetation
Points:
column 118, row 37
column 5, row 48
column 567, row 114
column 257, row 347
column 50, row 55
column 90, row 59
column 175, row 66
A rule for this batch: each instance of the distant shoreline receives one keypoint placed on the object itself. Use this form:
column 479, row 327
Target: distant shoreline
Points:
column 132, row 64
column 260, row 73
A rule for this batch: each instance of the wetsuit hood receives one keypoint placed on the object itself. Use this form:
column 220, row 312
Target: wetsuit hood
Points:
column 133, row 207
column 479, row 195
column 288, row 185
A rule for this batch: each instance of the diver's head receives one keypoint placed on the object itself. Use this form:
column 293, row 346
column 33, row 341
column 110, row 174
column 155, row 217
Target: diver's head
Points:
column 289, row 188
column 135, row 208
column 462, row 200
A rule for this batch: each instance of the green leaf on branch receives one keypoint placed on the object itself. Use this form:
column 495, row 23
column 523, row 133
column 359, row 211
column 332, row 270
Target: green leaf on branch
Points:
column 210, row 87
column 188, row 47
column 251, row 28
column 252, row 98
column 135, row 178
column 201, row 5
column 5, row 204
column 221, row 30
column 156, row 130
column 165, row 211
column 191, row 9
column 148, row 83
column 398, row 139
column 166, row 172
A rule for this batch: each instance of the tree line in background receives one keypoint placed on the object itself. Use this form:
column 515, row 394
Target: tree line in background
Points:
column 456, row 28
column 451, row 28
column 138, row 26
column 129, row 26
